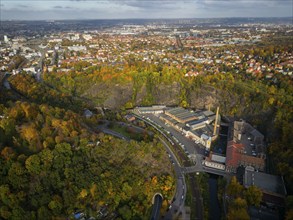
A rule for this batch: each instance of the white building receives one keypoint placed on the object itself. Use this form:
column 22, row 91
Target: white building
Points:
column 87, row 36
column 77, row 48
column 6, row 39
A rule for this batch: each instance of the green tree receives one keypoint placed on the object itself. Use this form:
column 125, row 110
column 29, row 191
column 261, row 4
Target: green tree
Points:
column 17, row 176
column 125, row 212
column 253, row 195
column 43, row 213
column 32, row 164
column 239, row 203
column 5, row 213
column 56, row 205
column 234, row 189
column 238, row 214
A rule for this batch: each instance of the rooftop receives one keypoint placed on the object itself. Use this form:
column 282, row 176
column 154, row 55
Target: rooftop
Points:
column 182, row 114
column 233, row 156
column 266, row 182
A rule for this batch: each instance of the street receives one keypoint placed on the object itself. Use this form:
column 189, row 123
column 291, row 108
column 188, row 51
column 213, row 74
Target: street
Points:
column 189, row 146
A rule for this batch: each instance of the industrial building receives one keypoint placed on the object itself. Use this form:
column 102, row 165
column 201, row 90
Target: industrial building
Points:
column 197, row 125
column 272, row 187
column 236, row 156
column 194, row 124
column 155, row 109
column 181, row 115
column 246, row 148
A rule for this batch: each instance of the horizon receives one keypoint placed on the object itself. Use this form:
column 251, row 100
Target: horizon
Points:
column 93, row 19
column 37, row 10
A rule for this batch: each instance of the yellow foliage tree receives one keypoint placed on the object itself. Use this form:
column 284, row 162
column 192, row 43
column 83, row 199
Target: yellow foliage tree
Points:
column 83, row 193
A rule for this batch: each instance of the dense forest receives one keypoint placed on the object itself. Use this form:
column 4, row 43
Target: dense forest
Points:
column 52, row 165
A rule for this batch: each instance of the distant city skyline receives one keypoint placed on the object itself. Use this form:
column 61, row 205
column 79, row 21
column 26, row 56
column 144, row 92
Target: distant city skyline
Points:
column 124, row 9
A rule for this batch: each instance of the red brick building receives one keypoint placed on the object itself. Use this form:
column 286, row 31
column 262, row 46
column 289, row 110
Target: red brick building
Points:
column 235, row 157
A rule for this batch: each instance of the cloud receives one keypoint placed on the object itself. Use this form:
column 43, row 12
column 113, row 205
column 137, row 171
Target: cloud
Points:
column 22, row 6
column 240, row 5
column 58, row 7
column 62, row 7
column 150, row 4
column 107, row 9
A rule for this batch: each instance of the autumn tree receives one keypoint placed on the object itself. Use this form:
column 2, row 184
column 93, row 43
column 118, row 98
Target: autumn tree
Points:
column 234, row 188
column 253, row 196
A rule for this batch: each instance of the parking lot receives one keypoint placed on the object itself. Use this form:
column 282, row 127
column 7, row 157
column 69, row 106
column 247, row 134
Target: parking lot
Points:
column 249, row 145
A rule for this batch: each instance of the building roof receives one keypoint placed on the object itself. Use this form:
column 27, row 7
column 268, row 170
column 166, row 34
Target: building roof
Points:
column 252, row 160
column 205, row 129
column 266, row 182
column 233, row 156
column 87, row 113
column 194, row 122
column 218, row 158
column 176, row 110
column 168, row 118
column 151, row 108
column 208, row 113
column 182, row 114
column 256, row 133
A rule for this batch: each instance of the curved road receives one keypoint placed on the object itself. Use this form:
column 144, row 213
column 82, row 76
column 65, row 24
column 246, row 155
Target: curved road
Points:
column 178, row 201
column 177, row 205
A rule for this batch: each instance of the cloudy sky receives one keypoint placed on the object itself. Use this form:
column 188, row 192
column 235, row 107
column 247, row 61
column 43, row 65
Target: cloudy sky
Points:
column 107, row 9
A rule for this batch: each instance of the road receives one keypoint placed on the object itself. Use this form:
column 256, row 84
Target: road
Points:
column 196, row 154
column 189, row 144
column 177, row 205
column 156, row 207
column 114, row 133
column 193, row 150
column 105, row 130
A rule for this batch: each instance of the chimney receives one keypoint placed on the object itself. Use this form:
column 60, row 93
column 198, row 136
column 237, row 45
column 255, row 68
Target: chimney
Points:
column 216, row 122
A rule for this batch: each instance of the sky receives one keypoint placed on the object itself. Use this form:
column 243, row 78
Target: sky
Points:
column 122, row 9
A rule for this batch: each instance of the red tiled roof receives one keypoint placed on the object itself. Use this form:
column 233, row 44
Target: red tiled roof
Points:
column 233, row 155
column 256, row 161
